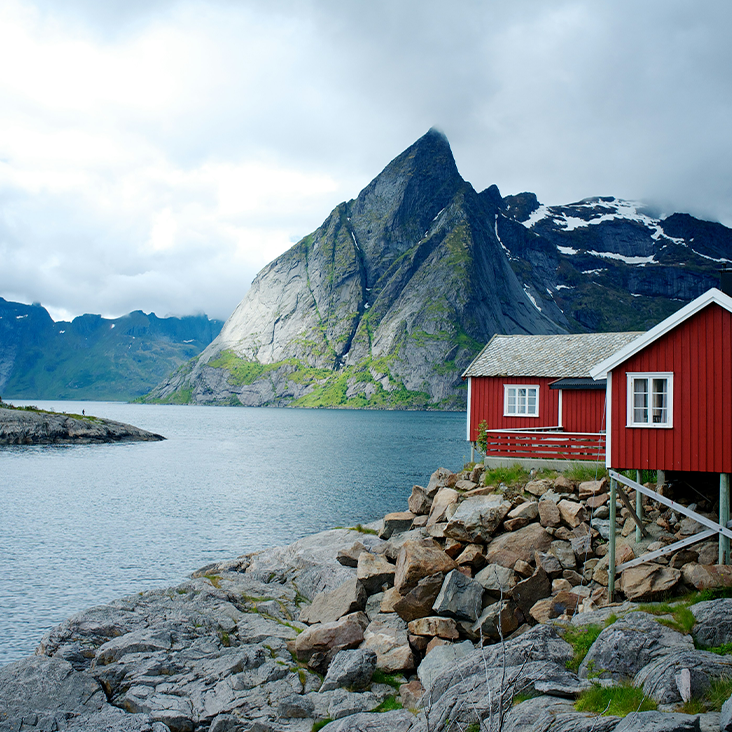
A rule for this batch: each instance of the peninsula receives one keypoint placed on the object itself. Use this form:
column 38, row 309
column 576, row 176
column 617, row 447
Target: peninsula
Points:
column 32, row 426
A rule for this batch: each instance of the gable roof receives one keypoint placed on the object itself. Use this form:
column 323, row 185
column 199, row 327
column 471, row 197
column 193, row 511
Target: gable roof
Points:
column 570, row 355
column 600, row 370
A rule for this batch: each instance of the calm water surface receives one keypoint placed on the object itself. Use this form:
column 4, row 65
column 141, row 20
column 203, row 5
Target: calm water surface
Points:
column 85, row 524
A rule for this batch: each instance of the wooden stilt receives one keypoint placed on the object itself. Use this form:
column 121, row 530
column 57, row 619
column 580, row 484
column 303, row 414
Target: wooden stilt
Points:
column 724, row 557
column 611, row 552
column 638, row 508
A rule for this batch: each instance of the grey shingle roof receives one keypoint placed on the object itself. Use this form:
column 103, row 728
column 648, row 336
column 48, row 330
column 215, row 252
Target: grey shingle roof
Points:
column 546, row 355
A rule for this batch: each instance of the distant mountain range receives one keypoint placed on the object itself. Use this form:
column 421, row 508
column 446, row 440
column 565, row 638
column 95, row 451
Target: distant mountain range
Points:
column 388, row 301
column 93, row 357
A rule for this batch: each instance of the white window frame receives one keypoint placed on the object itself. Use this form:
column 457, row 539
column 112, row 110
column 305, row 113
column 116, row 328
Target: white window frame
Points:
column 650, row 376
column 509, row 387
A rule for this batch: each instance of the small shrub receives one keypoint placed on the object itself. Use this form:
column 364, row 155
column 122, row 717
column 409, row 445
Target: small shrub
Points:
column 616, row 701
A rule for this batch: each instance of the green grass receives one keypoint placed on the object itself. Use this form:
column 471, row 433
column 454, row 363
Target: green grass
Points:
column 393, row 680
column 581, row 639
column 581, row 472
column 724, row 650
column 719, row 691
column 616, row 701
column 319, row 725
column 511, row 476
column 390, row 704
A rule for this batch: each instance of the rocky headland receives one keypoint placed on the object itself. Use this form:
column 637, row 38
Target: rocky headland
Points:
column 29, row 426
column 481, row 608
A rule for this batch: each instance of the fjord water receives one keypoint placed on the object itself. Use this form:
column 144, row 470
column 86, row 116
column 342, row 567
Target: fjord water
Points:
column 82, row 525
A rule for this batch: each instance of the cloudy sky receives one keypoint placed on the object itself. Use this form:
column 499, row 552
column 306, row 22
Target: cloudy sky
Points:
column 155, row 154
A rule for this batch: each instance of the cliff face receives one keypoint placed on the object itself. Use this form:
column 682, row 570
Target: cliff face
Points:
column 383, row 305
column 388, row 301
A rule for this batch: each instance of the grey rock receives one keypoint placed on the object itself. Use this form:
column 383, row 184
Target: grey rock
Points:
column 351, row 669
column 296, row 706
column 713, row 622
column 529, row 591
column 496, row 579
column 327, row 607
column 397, row 721
column 658, row 677
column 725, row 719
column 41, row 684
column 549, row 713
column 476, row 519
column 441, row 658
column 659, row 722
column 346, row 703
column 460, row 597
column 625, row 647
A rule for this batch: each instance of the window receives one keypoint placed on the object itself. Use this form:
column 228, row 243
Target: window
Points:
column 650, row 400
column 520, row 400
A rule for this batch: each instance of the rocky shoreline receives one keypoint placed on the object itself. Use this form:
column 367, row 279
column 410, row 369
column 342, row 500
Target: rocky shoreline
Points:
column 25, row 426
column 455, row 615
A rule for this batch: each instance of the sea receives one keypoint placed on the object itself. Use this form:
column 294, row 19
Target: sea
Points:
column 82, row 525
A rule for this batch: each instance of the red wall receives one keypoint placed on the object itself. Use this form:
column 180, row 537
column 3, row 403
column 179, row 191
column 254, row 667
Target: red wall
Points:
column 582, row 409
column 699, row 353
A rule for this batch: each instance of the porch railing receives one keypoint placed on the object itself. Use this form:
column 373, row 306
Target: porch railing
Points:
column 546, row 443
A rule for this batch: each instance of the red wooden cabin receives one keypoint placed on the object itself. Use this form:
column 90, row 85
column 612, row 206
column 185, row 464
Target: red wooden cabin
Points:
column 537, row 398
column 669, row 392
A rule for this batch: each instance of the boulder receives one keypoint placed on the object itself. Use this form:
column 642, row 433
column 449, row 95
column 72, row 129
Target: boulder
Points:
column 472, row 556
column 573, row 514
column 465, row 485
column 292, row 706
column 549, row 563
column 418, row 559
column 326, row 639
column 410, row 694
column 538, row 487
column 389, row 598
column 350, row 669
column 563, row 551
column 713, row 622
column 725, row 718
column 551, row 713
column 590, row 488
column 327, row 607
column 552, row 607
column 441, row 478
column 496, row 580
column 625, row 647
column 659, row 677
column 649, row 581
column 623, row 553
column 441, row 659
column 704, row 577
column 396, row 523
column 435, row 626
column 419, row 502
column 418, row 602
column 507, row 549
column 497, row 621
column 375, row 572
column 460, row 597
column 476, row 519
column 386, row 635
column 549, row 514
column 445, row 500
column 529, row 591
column 349, row 557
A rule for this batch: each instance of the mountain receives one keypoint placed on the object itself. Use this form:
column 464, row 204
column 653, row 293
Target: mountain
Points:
column 93, row 357
column 389, row 300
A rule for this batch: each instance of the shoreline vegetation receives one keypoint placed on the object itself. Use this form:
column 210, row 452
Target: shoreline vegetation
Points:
column 483, row 608
column 29, row 425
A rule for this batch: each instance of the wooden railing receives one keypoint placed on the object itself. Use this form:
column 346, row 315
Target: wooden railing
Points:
column 547, row 445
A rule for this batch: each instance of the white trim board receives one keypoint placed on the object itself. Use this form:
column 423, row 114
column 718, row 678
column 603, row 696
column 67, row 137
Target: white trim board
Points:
column 600, row 370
